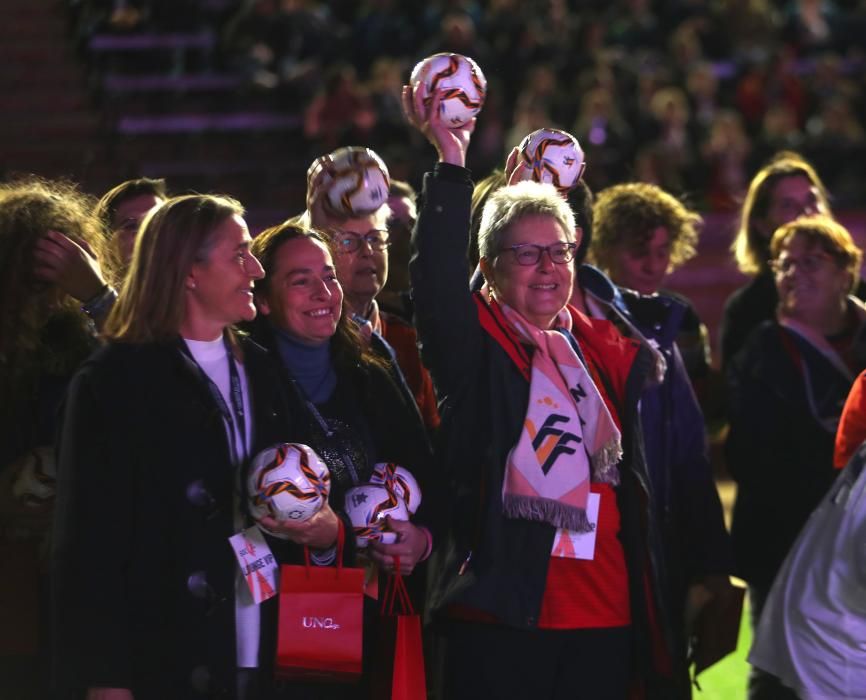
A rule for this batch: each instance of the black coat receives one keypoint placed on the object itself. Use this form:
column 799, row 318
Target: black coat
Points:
column 746, row 309
column 777, row 450
column 388, row 415
column 146, row 498
column 486, row 561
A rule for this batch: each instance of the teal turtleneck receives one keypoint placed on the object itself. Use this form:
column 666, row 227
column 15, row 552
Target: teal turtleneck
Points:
column 309, row 365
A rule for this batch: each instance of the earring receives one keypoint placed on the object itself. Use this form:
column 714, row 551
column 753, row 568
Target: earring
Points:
column 191, row 284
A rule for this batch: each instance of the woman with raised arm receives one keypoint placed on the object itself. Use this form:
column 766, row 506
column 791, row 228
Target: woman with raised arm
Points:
column 545, row 581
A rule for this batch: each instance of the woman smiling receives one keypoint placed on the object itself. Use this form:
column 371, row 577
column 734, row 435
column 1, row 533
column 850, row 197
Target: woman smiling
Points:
column 351, row 411
column 149, row 601
column 787, row 388
column 541, row 589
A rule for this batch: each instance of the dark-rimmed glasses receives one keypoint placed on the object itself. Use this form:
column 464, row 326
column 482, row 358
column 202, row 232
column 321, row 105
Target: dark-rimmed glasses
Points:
column 350, row 242
column 530, row 253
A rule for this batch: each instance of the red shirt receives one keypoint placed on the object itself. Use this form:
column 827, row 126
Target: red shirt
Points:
column 594, row 593
column 584, row 593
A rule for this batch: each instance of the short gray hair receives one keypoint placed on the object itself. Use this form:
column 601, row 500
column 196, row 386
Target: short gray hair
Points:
column 508, row 204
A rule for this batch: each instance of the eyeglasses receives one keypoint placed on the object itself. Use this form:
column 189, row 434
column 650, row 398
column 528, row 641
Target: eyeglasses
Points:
column 530, row 253
column 809, row 264
column 350, row 242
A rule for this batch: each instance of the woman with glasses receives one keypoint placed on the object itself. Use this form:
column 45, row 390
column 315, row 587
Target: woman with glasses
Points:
column 784, row 189
column 149, row 601
column 545, row 576
column 787, row 387
column 361, row 259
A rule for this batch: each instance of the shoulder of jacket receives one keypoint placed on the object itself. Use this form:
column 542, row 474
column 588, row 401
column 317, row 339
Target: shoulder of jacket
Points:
column 395, row 323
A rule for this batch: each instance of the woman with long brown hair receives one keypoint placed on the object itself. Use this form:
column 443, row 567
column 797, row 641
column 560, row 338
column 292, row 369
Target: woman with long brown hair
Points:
column 148, row 599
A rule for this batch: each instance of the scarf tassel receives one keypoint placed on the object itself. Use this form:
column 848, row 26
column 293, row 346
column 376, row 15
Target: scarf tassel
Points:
column 547, row 511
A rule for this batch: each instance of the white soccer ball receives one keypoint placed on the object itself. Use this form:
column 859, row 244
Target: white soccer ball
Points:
column 367, row 507
column 355, row 181
column 461, row 80
column 553, row 156
column 400, row 480
column 288, row 481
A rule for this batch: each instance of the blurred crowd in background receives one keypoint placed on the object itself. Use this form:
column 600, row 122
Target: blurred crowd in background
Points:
column 687, row 94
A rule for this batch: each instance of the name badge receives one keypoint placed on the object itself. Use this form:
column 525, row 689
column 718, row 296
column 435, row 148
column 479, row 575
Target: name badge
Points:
column 258, row 565
column 569, row 544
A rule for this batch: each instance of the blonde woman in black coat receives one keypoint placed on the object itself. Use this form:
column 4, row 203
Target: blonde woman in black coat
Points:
column 148, row 601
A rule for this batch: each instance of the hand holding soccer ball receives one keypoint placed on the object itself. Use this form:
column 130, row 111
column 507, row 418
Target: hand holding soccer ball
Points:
column 288, row 487
column 319, row 532
column 458, row 81
column 445, row 94
column 393, row 493
column 368, row 507
column 380, row 511
column 547, row 155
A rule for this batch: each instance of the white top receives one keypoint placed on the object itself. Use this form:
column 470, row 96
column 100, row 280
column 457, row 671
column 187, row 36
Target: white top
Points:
column 212, row 357
column 812, row 632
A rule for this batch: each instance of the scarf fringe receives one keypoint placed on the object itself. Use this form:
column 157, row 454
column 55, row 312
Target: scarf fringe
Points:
column 547, row 511
column 605, row 463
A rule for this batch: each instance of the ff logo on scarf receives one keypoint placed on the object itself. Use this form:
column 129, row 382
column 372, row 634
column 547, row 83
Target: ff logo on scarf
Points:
column 551, row 442
column 566, row 416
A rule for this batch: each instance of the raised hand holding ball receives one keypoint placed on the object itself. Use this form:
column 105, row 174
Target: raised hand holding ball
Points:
column 549, row 156
column 459, row 81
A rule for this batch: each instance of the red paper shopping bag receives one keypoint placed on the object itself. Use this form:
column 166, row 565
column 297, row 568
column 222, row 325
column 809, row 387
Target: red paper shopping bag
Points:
column 399, row 672
column 320, row 621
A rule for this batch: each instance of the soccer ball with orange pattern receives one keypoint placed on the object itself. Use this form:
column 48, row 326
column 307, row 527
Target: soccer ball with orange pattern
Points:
column 354, row 181
column 461, row 82
column 368, row 506
column 400, row 480
column 288, row 481
column 550, row 155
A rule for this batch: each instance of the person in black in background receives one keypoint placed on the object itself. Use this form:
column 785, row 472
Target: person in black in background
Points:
column 44, row 337
column 785, row 188
column 786, row 390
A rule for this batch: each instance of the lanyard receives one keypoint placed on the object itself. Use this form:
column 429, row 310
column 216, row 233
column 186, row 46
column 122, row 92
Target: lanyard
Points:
column 346, row 459
column 234, row 418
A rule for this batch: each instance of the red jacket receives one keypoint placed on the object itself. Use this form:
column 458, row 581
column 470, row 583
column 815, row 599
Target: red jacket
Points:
column 852, row 424
column 402, row 337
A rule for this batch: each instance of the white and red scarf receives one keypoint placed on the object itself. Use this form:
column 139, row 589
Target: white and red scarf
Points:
column 569, row 437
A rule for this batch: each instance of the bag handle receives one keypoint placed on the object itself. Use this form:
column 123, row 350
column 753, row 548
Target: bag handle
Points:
column 396, row 600
column 341, row 541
